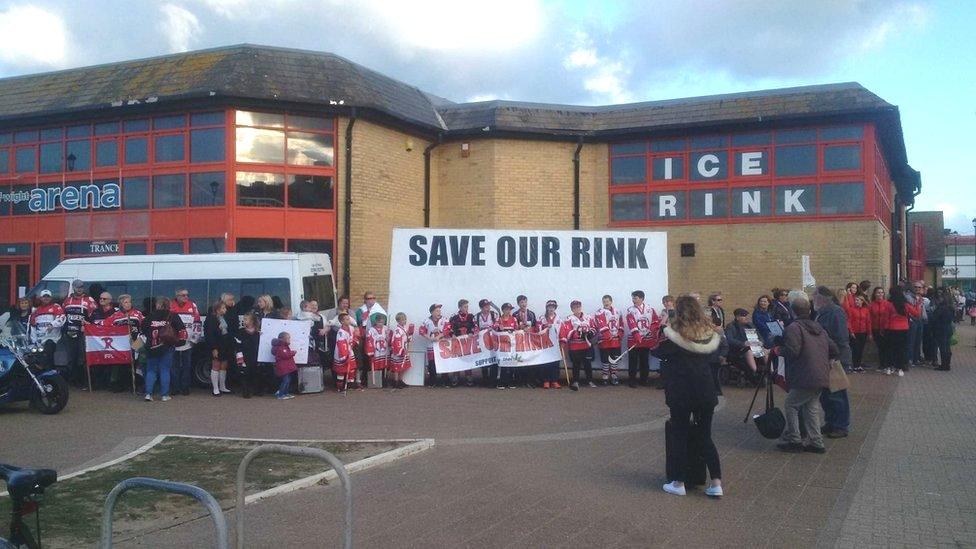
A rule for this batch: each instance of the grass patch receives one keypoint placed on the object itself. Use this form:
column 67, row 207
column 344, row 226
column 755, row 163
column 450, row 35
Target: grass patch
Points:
column 71, row 510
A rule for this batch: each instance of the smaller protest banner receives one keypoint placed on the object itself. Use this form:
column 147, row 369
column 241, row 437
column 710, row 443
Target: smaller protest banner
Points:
column 299, row 330
column 107, row 345
column 755, row 344
column 489, row 348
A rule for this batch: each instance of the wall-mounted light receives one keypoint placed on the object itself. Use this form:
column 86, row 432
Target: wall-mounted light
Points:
column 465, row 150
column 71, row 161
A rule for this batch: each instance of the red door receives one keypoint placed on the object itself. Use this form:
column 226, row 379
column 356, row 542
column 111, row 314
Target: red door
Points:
column 14, row 282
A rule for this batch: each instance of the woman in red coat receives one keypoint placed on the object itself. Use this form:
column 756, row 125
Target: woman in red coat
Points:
column 879, row 319
column 859, row 324
column 899, row 313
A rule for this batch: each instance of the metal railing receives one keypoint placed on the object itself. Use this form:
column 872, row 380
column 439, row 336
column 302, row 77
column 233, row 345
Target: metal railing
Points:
column 201, row 495
column 340, row 470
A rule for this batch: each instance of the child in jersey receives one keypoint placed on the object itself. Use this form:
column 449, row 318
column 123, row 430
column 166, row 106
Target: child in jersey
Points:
column 575, row 333
column 400, row 350
column 486, row 320
column 506, row 323
column 609, row 325
column 344, row 357
column 434, row 328
column 546, row 323
column 378, row 343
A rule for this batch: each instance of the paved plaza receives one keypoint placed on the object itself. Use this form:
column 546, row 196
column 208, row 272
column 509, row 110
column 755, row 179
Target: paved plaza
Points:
column 530, row 468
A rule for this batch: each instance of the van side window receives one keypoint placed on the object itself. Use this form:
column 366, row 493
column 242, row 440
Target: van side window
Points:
column 138, row 289
column 319, row 288
column 247, row 290
column 59, row 290
column 197, row 289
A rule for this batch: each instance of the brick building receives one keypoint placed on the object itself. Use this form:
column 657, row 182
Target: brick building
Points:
column 259, row 148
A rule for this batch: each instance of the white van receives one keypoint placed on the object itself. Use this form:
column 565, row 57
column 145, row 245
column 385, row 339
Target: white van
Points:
column 289, row 278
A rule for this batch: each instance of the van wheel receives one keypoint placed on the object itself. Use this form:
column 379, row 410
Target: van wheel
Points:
column 201, row 372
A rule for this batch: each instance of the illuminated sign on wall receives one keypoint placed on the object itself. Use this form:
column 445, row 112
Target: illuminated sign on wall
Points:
column 105, row 196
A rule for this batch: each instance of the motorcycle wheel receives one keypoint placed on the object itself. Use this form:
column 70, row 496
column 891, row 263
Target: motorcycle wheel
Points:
column 57, row 398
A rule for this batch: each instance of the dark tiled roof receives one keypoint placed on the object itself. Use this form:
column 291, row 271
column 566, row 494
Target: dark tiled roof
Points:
column 933, row 230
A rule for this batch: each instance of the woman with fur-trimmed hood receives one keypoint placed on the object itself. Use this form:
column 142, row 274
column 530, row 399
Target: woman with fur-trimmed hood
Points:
column 690, row 392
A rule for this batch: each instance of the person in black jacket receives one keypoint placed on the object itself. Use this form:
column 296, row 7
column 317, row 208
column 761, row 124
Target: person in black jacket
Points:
column 941, row 325
column 740, row 353
column 160, row 330
column 220, row 343
column 248, row 340
column 690, row 391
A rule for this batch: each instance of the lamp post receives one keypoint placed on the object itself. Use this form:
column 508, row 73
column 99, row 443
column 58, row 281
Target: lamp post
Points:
column 973, row 287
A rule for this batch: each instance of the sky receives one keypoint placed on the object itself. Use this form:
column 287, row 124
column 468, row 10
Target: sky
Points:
column 916, row 54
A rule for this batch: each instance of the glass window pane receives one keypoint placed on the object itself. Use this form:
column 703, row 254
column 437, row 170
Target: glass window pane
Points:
column 843, row 157
column 310, row 246
column 169, row 122
column 668, row 145
column 841, row 198
column 310, row 191
column 800, row 160
column 751, row 202
column 26, row 161
column 628, row 148
column 207, row 145
column 257, row 145
column 168, row 191
column 709, row 165
column 207, row 189
column 712, row 203
column 136, row 150
column 4, row 160
column 207, row 119
column 213, row 245
column 748, row 139
column 260, row 245
column 106, row 153
column 78, row 156
column 25, row 136
column 247, row 118
column 50, row 257
column 169, row 148
column 665, row 169
column 628, row 170
column 6, row 138
column 51, row 157
column 261, row 189
column 842, row 133
column 667, row 205
column 628, row 207
column 161, row 248
column 22, row 207
column 309, row 122
column 309, row 149
column 796, row 136
column 709, row 142
column 52, row 134
column 749, row 163
column 135, row 248
column 79, row 131
column 107, row 128
column 141, row 125
column 796, row 200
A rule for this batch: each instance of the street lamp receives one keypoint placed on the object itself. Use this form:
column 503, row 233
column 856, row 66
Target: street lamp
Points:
column 973, row 287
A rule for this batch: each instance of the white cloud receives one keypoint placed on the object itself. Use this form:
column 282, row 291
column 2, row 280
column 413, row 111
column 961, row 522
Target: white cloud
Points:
column 180, row 26
column 897, row 19
column 609, row 81
column 32, row 35
column 245, row 9
column 482, row 97
column 581, row 57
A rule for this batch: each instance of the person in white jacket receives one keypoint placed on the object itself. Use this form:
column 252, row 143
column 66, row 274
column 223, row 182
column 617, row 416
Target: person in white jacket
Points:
column 45, row 325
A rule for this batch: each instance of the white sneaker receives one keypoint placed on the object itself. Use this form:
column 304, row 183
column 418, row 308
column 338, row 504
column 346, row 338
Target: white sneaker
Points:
column 166, row 398
column 148, row 398
column 887, row 371
column 901, row 373
column 714, row 491
column 673, row 489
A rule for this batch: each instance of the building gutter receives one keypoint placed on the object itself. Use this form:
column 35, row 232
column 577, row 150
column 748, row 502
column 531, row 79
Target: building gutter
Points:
column 576, row 183
column 427, row 150
column 347, row 222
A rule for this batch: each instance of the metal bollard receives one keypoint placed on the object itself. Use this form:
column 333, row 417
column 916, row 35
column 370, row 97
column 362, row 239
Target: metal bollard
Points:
column 340, row 470
column 201, row 495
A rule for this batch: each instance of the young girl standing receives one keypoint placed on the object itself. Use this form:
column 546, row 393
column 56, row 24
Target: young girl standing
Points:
column 378, row 344
column 545, row 324
column 284, row 364
column 400, row 350
column 859, row 324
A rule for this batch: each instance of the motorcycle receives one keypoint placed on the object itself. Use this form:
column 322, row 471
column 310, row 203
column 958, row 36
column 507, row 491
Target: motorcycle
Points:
column 24, row 376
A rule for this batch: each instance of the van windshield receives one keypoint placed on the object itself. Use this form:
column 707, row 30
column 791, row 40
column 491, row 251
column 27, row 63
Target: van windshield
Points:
column 319, row 288
column 59, row 290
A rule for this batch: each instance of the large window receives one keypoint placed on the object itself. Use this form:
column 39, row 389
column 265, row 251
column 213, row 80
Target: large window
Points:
column 260, row 245
column 310, row 191
column 135, row 193
column 266, row 190
column 207, row 189
column 168, row 191
column 271, row 138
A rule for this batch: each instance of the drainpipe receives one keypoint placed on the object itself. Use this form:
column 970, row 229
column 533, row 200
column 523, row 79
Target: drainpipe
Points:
column 576, row 183
column 427, row 150
column 347, row 222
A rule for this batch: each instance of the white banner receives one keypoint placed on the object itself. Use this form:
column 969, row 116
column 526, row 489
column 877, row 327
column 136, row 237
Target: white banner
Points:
column 299, row 330
column 444, row 265
column 488, row 348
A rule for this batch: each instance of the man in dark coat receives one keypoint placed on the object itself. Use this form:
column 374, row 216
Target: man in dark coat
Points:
column 836, row 405
column 808, row 351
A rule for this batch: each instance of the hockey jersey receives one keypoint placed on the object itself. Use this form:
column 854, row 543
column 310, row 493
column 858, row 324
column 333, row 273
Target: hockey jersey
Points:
column 486, row 322
column 526, row 319
column 190, row 316
column 46, row 322
column 643, row 326
column 77, row 311
column 575, row 330
column 609, row 324
column 100, row 316
column 344, row 357
column 544, row 324
column 378, row 347
column 131, row 318
column 461, row 324
column 431, row 329
column 400, row 348
column 506, row 324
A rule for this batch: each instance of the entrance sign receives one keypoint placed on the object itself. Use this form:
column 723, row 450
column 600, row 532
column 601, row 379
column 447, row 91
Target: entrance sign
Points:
column 444, row 265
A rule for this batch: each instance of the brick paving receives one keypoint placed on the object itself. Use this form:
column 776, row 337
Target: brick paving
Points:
column 533, row 468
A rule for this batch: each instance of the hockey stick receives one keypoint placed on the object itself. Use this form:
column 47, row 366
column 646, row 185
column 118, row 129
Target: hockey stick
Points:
column 562, row 352
column 616, row 360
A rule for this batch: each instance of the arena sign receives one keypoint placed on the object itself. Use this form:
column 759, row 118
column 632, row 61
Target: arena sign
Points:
column 441, row 266
column 69, row 198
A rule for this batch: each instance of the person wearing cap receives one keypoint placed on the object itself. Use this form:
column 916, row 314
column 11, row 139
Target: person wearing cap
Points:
column 434, row 328
column 508, row 324
column 486, row 319
column 45, row 325
column 609, row 324
column 462, row 323
column 574, row 335
column 189, row 313
column 549, row 321
column 739, row 351
column 78, row 308
column 531, row 375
